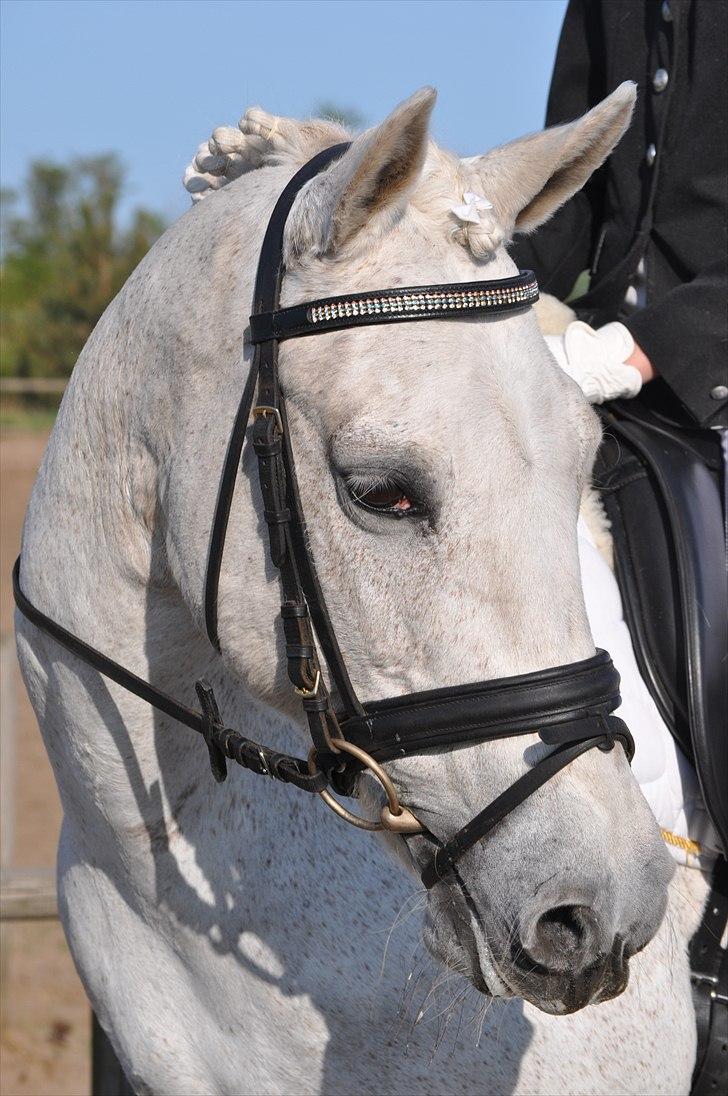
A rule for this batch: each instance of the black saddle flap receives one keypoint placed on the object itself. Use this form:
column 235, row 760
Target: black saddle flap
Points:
column 662, row 490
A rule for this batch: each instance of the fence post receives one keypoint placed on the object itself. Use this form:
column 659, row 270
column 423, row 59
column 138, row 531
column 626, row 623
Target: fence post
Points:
column 107, row 1076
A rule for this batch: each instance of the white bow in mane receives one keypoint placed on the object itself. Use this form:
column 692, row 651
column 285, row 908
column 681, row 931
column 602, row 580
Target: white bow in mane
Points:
column 473, row 205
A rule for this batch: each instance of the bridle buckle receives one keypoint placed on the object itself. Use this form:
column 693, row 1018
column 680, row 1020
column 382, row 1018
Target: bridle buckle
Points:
column 308, row 694
column 263, row 409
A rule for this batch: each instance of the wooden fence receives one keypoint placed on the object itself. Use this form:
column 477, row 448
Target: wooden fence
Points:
column 32, row 386
column 27, row 895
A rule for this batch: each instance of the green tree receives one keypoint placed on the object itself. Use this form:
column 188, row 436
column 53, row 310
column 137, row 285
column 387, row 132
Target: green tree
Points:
column 63, row 260
column 349, row 117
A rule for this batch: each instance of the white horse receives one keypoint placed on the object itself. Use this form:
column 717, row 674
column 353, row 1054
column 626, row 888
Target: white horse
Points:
column 240, row 938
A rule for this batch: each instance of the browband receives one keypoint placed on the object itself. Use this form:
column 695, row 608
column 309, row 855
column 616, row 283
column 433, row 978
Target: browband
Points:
column 405, row 303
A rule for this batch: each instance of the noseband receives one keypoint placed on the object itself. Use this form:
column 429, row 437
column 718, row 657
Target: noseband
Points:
column 568, row 706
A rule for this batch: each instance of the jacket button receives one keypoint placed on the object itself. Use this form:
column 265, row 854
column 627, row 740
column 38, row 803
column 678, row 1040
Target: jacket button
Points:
column 665, row 11
column 650, row 155
column 720, row 392
column 660, row 79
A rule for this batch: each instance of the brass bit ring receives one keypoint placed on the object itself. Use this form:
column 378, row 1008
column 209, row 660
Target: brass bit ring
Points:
column 393, row 817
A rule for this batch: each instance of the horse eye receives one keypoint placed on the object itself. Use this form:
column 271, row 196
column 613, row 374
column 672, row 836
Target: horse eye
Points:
column 386, row 498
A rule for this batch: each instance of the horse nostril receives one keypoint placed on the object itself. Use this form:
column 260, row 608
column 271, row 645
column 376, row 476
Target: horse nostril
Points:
column 573, row 955
column 565, row 938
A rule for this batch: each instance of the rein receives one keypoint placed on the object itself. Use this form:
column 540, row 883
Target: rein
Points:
column 568, row 706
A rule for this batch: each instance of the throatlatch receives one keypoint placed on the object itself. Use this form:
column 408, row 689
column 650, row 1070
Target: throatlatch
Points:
column 568, row 706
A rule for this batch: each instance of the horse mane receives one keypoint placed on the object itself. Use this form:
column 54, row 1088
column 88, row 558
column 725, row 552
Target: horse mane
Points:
column 262, row 139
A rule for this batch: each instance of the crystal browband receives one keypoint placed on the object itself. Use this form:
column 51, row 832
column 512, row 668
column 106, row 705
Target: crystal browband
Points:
column 416, row 302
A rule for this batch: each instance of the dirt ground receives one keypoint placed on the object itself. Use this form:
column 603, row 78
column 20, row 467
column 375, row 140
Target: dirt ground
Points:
column 45, row 1017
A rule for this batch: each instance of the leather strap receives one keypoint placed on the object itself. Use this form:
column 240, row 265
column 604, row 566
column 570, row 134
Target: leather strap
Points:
column 448, row 854
column 289, row 544
column 225, row 494
column 222, row 742
column 401, row 304
column 488, row 709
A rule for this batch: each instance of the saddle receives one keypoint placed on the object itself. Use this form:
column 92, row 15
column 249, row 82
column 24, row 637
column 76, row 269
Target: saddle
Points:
column 664, row 491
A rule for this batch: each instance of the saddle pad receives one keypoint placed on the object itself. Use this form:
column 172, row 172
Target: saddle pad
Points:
column 666, row 777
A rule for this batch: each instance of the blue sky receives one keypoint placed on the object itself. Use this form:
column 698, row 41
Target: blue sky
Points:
column 150, row 79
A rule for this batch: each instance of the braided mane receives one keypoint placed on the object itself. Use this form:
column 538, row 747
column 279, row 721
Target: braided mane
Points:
column 259, row 139
column 262, row 139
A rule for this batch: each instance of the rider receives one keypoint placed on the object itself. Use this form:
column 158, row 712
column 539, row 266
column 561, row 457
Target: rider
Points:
column 640, row 252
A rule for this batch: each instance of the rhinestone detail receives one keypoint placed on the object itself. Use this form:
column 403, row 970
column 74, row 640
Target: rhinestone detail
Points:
column 415, row 304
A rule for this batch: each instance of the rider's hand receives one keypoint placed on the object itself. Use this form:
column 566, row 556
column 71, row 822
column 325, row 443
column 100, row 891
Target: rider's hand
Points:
column 642, row 363
column 602, row 362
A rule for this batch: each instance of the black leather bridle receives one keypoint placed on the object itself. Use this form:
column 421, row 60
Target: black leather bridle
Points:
column 569, row 706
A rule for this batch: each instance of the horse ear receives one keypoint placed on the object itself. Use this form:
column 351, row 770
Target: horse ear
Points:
column 529, row 179
column 377, row 173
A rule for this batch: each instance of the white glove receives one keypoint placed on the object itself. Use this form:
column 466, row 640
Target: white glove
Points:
column 596, row 360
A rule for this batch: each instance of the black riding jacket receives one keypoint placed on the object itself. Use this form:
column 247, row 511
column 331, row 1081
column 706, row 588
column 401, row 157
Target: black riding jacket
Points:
column 662, row 198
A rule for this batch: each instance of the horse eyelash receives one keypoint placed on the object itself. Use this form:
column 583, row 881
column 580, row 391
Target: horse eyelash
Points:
column 359, row 484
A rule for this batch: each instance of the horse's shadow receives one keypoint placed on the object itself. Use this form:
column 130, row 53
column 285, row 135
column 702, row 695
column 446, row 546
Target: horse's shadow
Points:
column 415, row 1008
